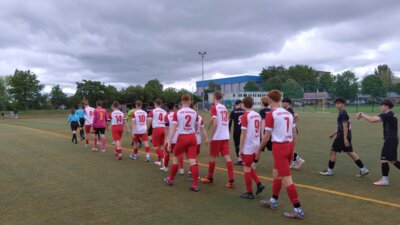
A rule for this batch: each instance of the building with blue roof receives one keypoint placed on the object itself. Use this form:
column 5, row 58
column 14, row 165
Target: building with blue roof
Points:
column 230, row 84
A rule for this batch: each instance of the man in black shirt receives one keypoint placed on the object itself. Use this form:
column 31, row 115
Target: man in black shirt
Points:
column 234, row 118
column 390, row 137
column 342, row 142
column 297, row 161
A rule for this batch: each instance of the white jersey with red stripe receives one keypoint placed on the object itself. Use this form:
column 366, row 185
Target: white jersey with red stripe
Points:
column 186, row 119
column 280, row 123
column 157, row 115
column 220, row 113
column 139, row 118
column 88, row 115
column 198, row 131
column 251, row 122
column 117, row 118
column 168, row 120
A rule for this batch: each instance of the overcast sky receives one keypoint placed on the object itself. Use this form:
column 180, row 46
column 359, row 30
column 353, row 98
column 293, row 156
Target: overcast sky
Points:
column 125, row 42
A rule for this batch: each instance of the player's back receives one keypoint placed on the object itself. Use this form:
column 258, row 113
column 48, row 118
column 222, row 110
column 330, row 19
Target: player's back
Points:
column 157, row 116
column 251, row 122
column 89, row 111
column 139, row 117
column 221, row 114
column 117, row 117
column 168, row 119
column 186, row 118
column 280, row 123
column 99, row 118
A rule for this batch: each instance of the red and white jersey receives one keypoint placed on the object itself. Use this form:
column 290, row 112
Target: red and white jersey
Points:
column 168, row 119
column 117, row 118
column 221, row 114
column 157, row 115
column 139, row 118
column 200, row 123
column 88, row 115
column 251, row 122
column 186, row 119
column 280, row 123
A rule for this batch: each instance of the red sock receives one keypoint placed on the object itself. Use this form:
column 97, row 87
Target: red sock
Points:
column 135, row 151
column 166, row 160
column 211, row 167
column 103, row 143
column 254, row 176
column 95, row 142
column 172, row 173
column 195, row 175
column 229, row 166
column 276, row 186
column 119, row 150
column 181, row 162
column 248, row 182
column 147, row 149
column 87, row 141
column 292, row 192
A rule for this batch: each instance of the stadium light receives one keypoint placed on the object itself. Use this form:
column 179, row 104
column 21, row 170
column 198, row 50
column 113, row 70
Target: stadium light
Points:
column 202, row 73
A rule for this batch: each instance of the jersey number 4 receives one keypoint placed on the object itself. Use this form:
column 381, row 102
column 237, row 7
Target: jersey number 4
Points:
column 118, row 118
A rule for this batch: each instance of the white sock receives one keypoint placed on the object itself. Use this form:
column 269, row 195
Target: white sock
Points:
column 385, row 178
column 239, row 159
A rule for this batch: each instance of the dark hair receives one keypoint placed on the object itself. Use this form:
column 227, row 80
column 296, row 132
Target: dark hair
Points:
column 170, row 105
column 80, row 105
column 138, row 103
column 287, row 100
column 264, row 101
column 340, row 100
column 150, row 104
column 388, row 103
column 275, row 95
column 248, row 102
column 158, row 101
column 116, row 104
column 99, row 103
column 238, row 102
column 73, row 111
column 218, row 95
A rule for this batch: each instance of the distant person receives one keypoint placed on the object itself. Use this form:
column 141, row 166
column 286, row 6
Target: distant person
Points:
column 390, row 137
column 3, row 116
column 263, row 113
column 149, row 108
column 117, row 129
column 297, row 162
column 342, row 142
column 172, row 108
column 81, row 114
column 234, row 118
column 139, row 131
column 99, row 125
column 89, row 130
column 73, row 121
column 156, row 120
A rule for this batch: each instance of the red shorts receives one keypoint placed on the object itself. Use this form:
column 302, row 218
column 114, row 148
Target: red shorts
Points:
column 117, row 131
column 142, row 137
column 219, row 147
column 88, row 129
column 158, row 137
column 248, row 159
column 186, row 143
column 283, row 155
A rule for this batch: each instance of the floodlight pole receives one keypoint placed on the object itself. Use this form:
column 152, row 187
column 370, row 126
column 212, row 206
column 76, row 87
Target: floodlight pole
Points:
column 202, row 74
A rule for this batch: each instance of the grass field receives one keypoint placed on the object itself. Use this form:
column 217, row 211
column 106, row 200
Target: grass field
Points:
column 44, row 179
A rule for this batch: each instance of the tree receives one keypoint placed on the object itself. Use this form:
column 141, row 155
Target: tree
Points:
column 326, row 83
column 273, row 83
column 274, row 71
column 57, row 96
column 132, row 93
column 372, row 85
column 305, row 75
column 91, row 90
column 251, row 86
column 4, row 98
column 292, row 89
column 212, row 87
column 25, row 88
column 153, row 89
column 386, row 75
column 346, row 85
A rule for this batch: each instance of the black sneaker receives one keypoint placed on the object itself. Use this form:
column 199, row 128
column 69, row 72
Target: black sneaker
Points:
column 239, row 163
column 247, row 195
column 260, row 188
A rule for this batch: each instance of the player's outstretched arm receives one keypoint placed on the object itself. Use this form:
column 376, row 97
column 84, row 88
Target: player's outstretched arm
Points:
column 371, row 119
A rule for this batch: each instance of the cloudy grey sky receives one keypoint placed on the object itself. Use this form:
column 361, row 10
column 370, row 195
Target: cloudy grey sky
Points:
column 125, row 42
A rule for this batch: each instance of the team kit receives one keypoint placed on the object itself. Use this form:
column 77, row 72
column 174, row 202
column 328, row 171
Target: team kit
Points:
column 180, row 131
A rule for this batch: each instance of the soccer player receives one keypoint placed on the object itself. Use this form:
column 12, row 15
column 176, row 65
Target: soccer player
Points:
column 234, row 118
column 219, row 140
column 73, row 121
column 185, row 123
column 390, row 136
column 99, row 125
column 117, row 123
column 157, row 121
column 279, row 127
column 139, row 131
column 172, row 108
column 148, row 109
column 81, row 114
column 263, row 113
column 342, row 142
column 88, row 124
column 297, row 162
column 249, row 142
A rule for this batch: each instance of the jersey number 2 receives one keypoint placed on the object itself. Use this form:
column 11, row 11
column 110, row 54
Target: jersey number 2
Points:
column 188, row 120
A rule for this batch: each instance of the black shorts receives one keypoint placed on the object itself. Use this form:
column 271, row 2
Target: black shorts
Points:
column 389, row 150
column 82, row 122
column 74, row 125
column 150, row 131
column 338, row 145
column 236, row 137
column 99, row 131
column 269, row 145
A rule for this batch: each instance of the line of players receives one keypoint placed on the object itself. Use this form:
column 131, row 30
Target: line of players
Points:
column 181, row 130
